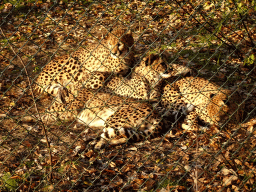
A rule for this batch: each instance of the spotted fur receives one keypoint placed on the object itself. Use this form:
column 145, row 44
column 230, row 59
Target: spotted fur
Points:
column 146, row 80
column 212, row 104
column 118, row 116
column 89, row 66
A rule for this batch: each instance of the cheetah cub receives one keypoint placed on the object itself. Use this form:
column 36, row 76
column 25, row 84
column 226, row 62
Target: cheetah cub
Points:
column 146, row 80
column 120, row 118
column 87, row 65
column 212, row 104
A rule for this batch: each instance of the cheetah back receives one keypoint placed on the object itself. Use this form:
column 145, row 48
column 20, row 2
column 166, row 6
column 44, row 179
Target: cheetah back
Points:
column 82, row 64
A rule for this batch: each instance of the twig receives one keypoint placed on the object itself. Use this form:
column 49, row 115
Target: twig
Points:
column 44, row 129
column 30, row 184
column 196, row 172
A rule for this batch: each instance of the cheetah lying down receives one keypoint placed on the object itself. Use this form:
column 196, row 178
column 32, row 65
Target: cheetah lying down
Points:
column 118, row 116
column 146, row 80
column 212, row 104
column 190, row 98
column 87, row 65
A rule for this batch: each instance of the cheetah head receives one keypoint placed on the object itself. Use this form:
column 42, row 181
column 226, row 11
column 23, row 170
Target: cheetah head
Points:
column 222, row 109
column 119, row 42
column 153, row 68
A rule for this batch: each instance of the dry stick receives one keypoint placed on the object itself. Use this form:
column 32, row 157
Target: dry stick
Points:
column 30, row 183
column 196, row 173
column 44, row 129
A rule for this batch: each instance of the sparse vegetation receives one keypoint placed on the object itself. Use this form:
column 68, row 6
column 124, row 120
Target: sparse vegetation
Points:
column 216, row 39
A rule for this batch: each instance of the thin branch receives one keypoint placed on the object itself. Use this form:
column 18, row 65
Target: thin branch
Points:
column 197, row 144
column 28, row 79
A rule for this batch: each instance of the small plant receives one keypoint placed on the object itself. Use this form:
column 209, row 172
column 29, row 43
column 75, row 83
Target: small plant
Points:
column 249, row 60
column 36, row 69
column 242, row 8
column 8, row 182
column 167, row 183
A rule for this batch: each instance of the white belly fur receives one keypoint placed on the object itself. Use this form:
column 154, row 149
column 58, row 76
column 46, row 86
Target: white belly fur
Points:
column 95, row 119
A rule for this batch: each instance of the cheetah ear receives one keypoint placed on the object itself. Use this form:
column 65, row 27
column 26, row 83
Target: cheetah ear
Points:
column 129, row 32
column 152, row 58
column 109, row 32
column 149, row 59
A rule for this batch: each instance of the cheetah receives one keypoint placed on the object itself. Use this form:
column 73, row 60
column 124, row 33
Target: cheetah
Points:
column 146, row 80
column 122, row 117
column 212, row 104
column 88, row 66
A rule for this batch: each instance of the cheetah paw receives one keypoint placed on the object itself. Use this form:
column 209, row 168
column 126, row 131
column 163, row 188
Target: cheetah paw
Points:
column 99, row 145
column 188, row 127
column 118, row 141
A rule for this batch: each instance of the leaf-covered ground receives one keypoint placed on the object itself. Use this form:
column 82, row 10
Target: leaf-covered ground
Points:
column 216, row 39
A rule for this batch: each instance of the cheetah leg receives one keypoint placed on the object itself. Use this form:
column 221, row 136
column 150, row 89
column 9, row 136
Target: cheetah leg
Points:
column 100, row 144
column 51, row 89
column 88, row 80
column 50, row 116
column 128, row 133
column 62, row 94
column 155, row 94
column 57, row 90
column 105, row 136
column 103, row 142
column 118, row 141
column 108, row 136
column 191, row 122
column 53, row 113
column 59, row 111
column 122, row 125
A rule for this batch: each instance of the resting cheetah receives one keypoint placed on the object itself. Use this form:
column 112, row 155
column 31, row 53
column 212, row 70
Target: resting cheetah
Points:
column 146, row 79
column 121, row 116
column 212, row 104
column 87, row 65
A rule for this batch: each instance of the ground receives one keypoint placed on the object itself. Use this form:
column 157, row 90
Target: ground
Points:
column 208, row 38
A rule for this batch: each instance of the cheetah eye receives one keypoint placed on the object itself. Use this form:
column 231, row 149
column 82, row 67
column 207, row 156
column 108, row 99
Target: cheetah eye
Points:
column 147, row 62
column 117, row 44
column 120, row 46
column 226, row 101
